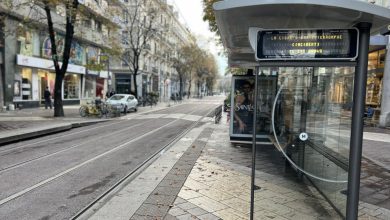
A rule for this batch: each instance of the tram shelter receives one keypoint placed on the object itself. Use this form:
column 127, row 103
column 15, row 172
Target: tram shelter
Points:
column 310, row 70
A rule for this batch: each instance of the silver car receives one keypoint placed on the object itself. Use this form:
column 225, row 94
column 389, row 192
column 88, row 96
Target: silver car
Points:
column 125, row 101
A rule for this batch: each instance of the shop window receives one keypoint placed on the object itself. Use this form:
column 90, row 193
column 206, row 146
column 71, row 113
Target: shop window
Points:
column 26, row 90
column 376, row 62
column 46, row 79
column 71, row 86
column 89, row 91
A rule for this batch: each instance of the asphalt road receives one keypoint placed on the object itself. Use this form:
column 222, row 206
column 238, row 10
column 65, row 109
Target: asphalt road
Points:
column 55, row 176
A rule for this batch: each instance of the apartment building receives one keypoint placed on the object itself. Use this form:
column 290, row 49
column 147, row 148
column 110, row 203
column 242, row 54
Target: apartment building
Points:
column 156, row 73
column 26, row 65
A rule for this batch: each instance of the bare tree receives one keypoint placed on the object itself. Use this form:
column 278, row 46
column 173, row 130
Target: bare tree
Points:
column 212, row 73
column 71, row 7
column 139, row 29
column 195, row 62
column 184, row 64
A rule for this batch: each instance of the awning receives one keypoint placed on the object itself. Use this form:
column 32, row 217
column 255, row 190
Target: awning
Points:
column 234, row 17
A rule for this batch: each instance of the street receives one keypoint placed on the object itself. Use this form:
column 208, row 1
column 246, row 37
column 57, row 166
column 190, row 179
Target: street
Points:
column 55, row 176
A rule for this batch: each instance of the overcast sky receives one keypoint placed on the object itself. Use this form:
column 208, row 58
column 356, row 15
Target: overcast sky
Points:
column 192, row 13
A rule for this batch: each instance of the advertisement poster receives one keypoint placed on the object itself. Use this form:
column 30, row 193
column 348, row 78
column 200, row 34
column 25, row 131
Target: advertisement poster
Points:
column 46, row 47
column 17, row 88
column 76, row 54
column 242, row 105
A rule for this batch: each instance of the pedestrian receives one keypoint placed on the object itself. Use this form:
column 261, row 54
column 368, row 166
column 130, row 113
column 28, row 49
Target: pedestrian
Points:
column 47, row 96
column 112, row 92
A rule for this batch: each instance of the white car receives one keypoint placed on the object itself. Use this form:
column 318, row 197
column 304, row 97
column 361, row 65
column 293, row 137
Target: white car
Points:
column 126, row 101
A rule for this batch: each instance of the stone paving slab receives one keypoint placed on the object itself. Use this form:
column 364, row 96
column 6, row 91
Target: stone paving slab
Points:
column 219, row 184
column 156, row 207
column 139, row 191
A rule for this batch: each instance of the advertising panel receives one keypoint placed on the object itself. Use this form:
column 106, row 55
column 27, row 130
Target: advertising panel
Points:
column 242, row 106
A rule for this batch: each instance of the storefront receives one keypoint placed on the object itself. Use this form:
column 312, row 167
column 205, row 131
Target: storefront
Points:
column 33, row 75
column 123, row 83
column 34, row 70
column 376, row 64
column 95, row 85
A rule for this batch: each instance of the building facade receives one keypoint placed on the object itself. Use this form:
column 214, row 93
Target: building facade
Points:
column 156, row 72
column 378, row 79
column 27, row 68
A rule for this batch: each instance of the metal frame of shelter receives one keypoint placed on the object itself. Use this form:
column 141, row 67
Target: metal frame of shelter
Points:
column 235, row 18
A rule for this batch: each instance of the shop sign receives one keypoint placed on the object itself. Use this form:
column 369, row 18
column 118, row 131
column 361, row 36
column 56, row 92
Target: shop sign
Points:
column 93, row 72
column 45, row 64
column 103, row 74
column 324, row 44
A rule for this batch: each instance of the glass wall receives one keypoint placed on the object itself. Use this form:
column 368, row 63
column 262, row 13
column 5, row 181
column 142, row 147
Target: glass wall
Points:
column 45, row 79
column 26, row 84
column 312, row 123
column 71, row 86
column 90, row 87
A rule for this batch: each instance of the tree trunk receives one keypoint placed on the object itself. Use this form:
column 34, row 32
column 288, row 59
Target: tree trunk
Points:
column 135, row 83
column 58, row 106
column 181, row 86
column 189, row 89
column 199, row 89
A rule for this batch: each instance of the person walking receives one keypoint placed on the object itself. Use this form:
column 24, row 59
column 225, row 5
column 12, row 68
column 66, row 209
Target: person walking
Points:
column 47, row 96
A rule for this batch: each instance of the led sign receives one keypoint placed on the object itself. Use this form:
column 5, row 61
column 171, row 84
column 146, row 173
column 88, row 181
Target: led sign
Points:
column 307, row 44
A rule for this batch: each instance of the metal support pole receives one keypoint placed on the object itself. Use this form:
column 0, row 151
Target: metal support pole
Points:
column 108, row 74
column 359, row 95
column 254, row 147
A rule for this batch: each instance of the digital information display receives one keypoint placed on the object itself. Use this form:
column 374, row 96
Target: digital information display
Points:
column 307, row 44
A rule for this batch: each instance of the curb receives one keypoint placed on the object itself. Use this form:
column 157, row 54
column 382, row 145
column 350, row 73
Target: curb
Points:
column 49, row 130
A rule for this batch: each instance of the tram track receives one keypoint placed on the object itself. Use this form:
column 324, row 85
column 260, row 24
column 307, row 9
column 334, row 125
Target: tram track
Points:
column 13, row 149
column 133, row 173
column 120, row 146
column 16, row 165
column 121, row 120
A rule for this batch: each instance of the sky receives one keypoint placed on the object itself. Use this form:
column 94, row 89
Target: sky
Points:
column 191, row 11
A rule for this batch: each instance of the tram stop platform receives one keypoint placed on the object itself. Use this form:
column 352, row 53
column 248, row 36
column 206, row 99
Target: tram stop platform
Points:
column 203, row 176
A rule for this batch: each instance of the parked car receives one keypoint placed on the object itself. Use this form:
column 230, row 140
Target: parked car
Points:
column 125, row 101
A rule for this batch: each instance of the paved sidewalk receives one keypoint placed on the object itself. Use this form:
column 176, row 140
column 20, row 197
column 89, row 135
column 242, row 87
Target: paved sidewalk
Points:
column 203, row 177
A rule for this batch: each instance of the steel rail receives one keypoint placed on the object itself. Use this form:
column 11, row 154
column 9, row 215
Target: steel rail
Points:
column 120, row 146
column 140, row 167
column 16, row 165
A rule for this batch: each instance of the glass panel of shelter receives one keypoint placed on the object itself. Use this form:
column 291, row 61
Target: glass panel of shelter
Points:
column 311, row 107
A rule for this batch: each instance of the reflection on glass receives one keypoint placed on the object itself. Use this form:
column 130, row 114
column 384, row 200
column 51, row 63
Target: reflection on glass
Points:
column 317, row 101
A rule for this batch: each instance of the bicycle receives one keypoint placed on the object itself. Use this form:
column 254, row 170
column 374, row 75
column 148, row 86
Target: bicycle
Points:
column 98, row 109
